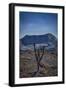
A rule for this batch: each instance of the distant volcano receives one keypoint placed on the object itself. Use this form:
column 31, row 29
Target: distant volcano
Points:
column 39, row 39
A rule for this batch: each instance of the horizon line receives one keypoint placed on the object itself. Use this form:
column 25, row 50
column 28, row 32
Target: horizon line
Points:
column 37, row 35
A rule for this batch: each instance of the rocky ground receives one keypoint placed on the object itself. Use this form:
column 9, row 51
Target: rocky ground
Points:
column 28, row 65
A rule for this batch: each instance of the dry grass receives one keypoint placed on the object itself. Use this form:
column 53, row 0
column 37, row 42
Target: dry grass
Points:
column 28, row 65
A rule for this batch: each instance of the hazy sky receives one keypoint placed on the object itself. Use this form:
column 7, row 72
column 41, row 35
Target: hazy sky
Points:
column 32, row 23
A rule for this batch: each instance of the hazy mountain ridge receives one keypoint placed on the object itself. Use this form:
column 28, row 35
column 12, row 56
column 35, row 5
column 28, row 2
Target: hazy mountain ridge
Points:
column 38, row 39
column 47, row 39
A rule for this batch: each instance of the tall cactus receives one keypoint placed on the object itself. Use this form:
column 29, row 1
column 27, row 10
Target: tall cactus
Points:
column 38, row 55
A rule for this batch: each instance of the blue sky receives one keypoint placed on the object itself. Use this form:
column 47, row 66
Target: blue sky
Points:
column 32, row 23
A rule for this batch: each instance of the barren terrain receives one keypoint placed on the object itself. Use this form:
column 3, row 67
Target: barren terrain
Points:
column 28, row 65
